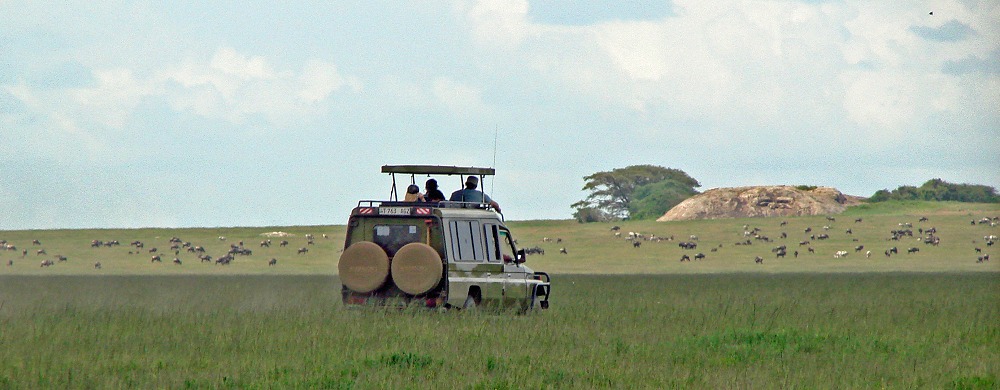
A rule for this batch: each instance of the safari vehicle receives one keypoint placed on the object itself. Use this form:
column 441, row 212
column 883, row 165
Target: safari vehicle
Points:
column 436, row 255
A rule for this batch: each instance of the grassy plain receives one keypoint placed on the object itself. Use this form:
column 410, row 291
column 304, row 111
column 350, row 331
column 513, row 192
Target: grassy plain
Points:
column 752, row 330
column 621, row 317
column 591, row 248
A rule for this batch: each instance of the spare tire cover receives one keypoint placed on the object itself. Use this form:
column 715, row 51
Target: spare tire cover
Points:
column 416, row 268
column 363, row 267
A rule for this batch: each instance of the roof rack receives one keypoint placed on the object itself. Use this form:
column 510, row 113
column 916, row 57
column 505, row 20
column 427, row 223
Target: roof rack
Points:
column 438, row 170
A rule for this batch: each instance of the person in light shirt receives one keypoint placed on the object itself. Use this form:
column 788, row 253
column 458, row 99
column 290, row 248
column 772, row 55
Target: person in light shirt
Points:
column 471, row 194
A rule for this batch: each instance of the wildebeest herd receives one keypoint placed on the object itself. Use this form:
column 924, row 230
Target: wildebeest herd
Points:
column 749, row 236
column 177, row 249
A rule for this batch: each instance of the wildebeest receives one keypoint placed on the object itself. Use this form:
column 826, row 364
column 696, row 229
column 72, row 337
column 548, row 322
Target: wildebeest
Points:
column 534, row 250
column 912, row 250
column 152, row 250
column 983, row 258
column 780, row 253
column 40, row 252
column 758, row 260
column 688, row 245
column 224, row 260
column 177, row 261
column 97, row 265
column 840, row 254
column 36, row 242
column 155, row 258
column 859, row 248
column 10, row 263
column 699, row 256
column 46, row 263
column 303, row 250
column 205, row 258
column 563, row 251
column 271, row 262
column 265, row 243
column 636, row 244
column 283, row 243
column 61, row 258
column 685, row 258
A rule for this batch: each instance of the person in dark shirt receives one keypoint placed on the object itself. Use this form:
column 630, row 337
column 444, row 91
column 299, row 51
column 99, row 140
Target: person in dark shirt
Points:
column 433, row 193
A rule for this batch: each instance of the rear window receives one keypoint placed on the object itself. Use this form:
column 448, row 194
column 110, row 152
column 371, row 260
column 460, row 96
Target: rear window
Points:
column 393, row 237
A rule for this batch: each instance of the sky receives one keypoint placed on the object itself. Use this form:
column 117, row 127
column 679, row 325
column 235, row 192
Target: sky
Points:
column 192, row 113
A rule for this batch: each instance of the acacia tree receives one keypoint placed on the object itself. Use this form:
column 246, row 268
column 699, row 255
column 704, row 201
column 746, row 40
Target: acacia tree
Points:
column 612, row 192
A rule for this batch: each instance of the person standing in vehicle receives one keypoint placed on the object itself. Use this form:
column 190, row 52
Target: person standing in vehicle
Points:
column 433, row 193
column 471, row 194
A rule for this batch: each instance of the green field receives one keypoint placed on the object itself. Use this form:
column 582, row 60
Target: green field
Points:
column 712, row 331
column 621, row 317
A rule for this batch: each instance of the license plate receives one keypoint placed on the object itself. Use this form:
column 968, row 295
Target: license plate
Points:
column 394, row 210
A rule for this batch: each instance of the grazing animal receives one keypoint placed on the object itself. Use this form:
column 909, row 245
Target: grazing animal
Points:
column 61, row 258
column 36, row 242
column 155, row 259
column 858, row 220
column 47, row 263
column 868, row 254
column 796, row 253
column 699, row 256
column 221, row 238
column 636, row 244
column 283, row 243
column 912, row 250
column 758, row 260
column 177, row 261
column 840, row 254
column 685, row 258
column 265, row 243
column 10, row 263
column 97, row 265
column 563, row 251
column 979, row 250
column 859, row 248
column 273, row 261
column 983, row 258
column 780, row 253
column 811, row 250
column 152, row 250
column 303, row 250
column 40, row 252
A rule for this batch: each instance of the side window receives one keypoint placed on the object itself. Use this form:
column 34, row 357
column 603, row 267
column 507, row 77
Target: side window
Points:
column 466, row 240
column 491, row 233
column 506, row 245
column 393, row 237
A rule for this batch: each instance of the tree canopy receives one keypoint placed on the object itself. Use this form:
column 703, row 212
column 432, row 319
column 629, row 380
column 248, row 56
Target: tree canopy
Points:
column 940, row 190
column 637, row 191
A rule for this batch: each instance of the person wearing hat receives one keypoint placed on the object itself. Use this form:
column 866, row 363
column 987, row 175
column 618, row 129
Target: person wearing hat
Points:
column 413, row 194
column 471, row 194
column 433, row 194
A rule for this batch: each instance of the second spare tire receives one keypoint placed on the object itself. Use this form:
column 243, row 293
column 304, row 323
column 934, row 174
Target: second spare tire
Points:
column 416, row 268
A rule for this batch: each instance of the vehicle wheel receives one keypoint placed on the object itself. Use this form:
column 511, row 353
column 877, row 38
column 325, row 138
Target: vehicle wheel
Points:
column 363, row 267
column 416, row 268
column 470, row 303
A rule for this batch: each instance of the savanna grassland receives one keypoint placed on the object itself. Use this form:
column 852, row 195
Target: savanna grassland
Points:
column 621, row 316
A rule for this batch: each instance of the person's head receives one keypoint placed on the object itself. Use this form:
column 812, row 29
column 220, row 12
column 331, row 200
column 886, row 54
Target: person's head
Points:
column 472, row 182
column 412, row 189
column 431, row 184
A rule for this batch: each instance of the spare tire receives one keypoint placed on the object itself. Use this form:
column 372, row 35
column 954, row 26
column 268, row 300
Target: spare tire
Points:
column 416, row 268
column 363, row 267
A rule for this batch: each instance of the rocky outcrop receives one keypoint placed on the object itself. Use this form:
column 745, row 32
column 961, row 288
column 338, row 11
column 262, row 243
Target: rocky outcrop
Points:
column 760, row 201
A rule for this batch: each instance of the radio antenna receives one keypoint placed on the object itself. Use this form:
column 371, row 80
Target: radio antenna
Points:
column 493, row 182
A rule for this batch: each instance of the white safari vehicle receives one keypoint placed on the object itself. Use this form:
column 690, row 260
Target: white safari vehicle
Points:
column 436, row 255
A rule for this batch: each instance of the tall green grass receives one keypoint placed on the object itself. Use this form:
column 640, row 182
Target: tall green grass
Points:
column 886, row 330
